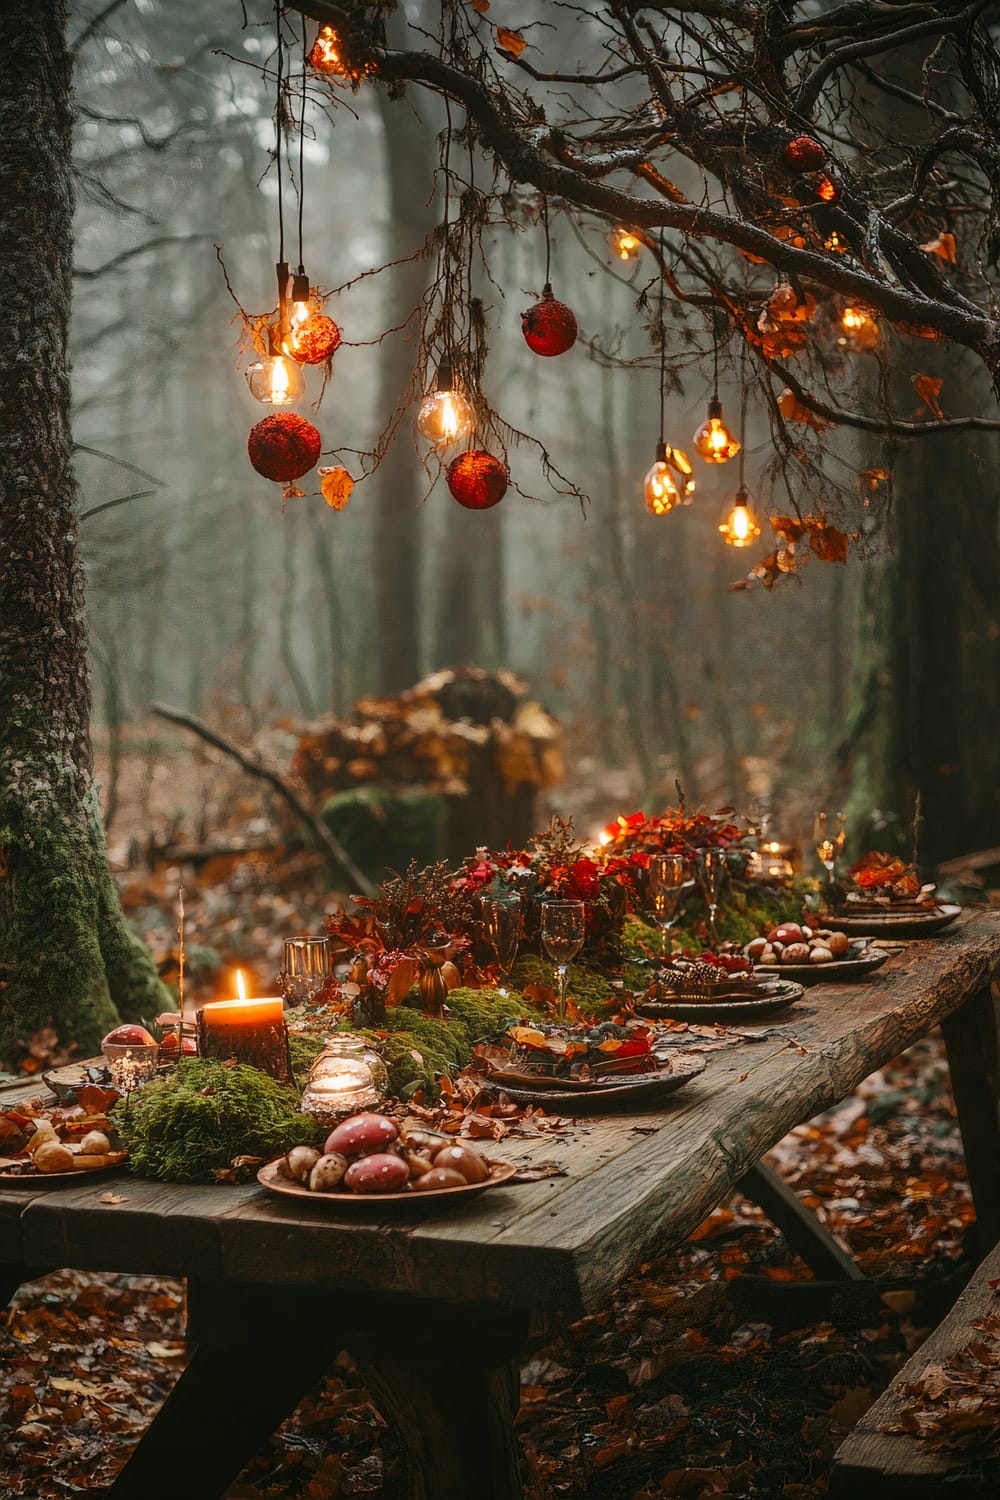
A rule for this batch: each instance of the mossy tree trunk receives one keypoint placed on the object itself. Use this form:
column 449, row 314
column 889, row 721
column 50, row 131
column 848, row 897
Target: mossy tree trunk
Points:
column 66, row 955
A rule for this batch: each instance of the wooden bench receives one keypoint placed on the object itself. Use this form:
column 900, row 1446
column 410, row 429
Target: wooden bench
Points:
column 876, row 1463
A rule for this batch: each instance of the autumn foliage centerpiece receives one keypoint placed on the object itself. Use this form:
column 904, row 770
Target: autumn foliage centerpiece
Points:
column 410, row 933
column 555, row 867
column 676, row 831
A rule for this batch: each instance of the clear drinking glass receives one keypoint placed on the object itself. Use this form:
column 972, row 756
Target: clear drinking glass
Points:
column 830, row 834
column 711, row 867
column 670, row 879
column 563, row 930
column 502, row 928
column 305, row 967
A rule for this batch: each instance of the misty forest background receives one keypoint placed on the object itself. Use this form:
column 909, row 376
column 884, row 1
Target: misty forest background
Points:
column 202, row 595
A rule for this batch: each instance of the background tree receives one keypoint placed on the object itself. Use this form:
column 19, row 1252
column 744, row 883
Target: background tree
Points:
column 66, row 954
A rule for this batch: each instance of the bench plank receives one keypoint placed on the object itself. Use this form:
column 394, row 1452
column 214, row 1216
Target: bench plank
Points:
column 887, row 1465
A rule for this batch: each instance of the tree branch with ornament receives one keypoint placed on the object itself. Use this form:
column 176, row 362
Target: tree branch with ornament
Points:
column 752, row 152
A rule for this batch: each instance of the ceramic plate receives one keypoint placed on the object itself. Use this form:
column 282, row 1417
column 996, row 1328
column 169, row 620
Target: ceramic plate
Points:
column 58, row 1179
column 894, row 924
column 840, row 970
column 275, row 1182
column 631, row 1091
column 778, row 994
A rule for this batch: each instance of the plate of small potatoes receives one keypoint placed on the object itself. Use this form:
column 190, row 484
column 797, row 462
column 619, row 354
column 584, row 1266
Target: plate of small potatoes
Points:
column 814, row 955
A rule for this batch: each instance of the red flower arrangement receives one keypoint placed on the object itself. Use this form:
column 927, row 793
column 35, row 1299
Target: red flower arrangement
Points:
column 676, row 831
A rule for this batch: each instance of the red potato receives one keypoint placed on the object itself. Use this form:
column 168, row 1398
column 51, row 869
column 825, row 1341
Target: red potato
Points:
column 361, row 1135
column 380, row 1173
column 756, row 948
column 796, row 953
column 468, row 1164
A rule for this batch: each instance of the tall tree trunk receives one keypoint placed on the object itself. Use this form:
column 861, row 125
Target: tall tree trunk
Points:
column 66, row 955
column 926, row 694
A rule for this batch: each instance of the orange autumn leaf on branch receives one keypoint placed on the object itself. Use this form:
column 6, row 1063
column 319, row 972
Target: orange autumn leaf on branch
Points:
column 928, row 388
column 510, row 41
column 336, row 486
column 794, row 410
column 943, row 245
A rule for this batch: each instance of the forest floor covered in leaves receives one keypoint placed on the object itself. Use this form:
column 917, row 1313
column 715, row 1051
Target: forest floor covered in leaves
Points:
column 673, row 1390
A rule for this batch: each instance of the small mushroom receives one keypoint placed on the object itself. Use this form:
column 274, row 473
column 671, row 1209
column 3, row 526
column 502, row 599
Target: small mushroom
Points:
column 95, row 1143
column 328, row 1173
column 820, row 955
column 299, row 1162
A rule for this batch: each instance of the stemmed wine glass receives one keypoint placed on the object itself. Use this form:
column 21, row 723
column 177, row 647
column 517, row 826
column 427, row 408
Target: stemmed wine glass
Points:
column 563, row 930
column 670, row 879
column 502, row 929
column 830, row 834
column 305, row 968
column 711, row 866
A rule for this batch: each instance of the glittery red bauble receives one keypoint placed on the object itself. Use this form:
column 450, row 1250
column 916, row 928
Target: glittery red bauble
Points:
column 550, row 326
column 477, row 480
column 316, row 340
column 804, row 154
column 283, row 446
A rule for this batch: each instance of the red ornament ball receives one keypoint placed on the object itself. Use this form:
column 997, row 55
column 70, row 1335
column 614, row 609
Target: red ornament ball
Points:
column 549, row 327
column 804, row 154
column 316, row 340
column 283, row 446
column 477, row 480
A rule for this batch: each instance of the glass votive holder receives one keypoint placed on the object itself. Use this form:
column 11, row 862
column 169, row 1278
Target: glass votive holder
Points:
column 347, row 1077
column 305, row 968
column 131, row 1064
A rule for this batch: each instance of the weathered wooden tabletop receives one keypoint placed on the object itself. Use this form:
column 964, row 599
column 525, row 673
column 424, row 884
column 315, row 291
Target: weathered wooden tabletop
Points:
column 634, row 1183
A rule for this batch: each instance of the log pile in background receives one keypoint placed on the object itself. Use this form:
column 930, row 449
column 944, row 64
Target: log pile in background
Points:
column 460, row 757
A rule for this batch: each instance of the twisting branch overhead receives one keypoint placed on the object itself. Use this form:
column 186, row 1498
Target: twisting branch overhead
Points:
column 712, row 94
column 819, row 184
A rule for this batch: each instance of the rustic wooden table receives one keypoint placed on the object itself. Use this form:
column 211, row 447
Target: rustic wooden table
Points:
column 437, row 1311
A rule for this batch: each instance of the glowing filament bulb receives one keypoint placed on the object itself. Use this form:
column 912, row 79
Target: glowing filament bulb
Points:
column 860, row 330
column 669, row 482
column 740, row 527
column 276, row 380
column 713, row 440
column 625, row 244
column 326, row 56
column 444, row 415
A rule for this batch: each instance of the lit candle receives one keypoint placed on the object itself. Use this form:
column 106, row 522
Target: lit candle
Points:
column 251, row 1030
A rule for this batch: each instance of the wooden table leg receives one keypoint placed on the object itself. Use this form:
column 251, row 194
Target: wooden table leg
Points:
column 448, row 1383
column 970, row 1035
column 810, row 1239
column 259, row 1350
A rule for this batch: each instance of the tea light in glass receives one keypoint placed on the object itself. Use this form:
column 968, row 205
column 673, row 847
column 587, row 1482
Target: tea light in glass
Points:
column 348, row 1076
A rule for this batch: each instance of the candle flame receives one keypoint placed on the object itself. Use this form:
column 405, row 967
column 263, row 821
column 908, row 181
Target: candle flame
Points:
column 241, row 988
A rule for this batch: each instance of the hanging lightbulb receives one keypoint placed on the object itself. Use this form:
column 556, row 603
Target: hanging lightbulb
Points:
column 835, row 242
column 327, row 56
column 740, row 527
column 662, row 489
column 713, row 440
column 276, row 380
column 860, row 330
column 625, row 244
column 444, row 415
column 827, row 190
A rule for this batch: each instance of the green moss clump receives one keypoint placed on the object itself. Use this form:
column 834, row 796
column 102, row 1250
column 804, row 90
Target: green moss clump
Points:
column 590, row 992
column 191, row 1124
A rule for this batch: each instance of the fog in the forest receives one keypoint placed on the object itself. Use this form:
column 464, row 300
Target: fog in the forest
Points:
column 203, row 595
